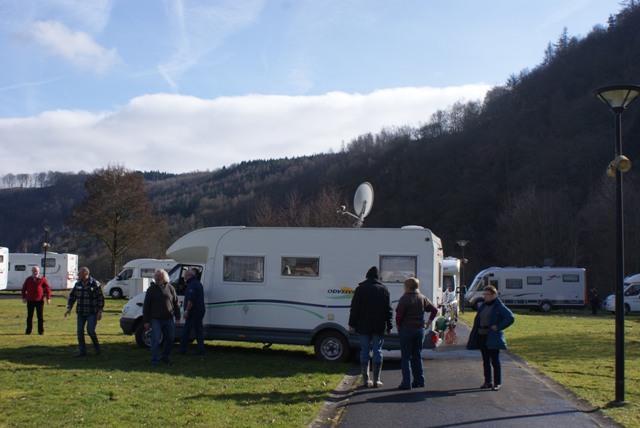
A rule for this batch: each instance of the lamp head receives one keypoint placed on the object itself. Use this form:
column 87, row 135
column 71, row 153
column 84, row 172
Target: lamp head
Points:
column 620, row 163
column 617, row 97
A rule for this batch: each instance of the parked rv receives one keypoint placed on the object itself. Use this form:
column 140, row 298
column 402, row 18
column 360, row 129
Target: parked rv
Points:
column 135, row 276
column 61, row 269
column 451, row 278
column 4, row 267
column 630, row 296
column 294, row 285
column 531, row 287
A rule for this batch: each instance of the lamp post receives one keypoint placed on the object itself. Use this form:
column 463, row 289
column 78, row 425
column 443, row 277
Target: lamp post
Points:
column 46, row 246
column 463, row 243
column 617, row 98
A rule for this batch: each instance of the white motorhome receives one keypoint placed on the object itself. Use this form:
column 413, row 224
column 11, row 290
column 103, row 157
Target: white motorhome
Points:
column 4, row 267
column 294, row 285
column 543, row 288
column 135, row 276
column 630, row 296
column 61, row 269
column 451, row 278
column 451, row 273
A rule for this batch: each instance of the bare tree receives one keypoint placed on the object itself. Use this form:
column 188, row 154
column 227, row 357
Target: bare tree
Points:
column 296, row 212
column 117, row 211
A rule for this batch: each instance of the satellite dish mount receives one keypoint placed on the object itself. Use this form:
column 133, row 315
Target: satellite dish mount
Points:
column 362, row 203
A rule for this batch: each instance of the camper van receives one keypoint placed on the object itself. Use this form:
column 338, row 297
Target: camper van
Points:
column 294, row 285
column 4, row 267
column 630, row 296
column 451, row 278
column 61, row 269
column 543, row 288
column 451, row 273
column 135, row 277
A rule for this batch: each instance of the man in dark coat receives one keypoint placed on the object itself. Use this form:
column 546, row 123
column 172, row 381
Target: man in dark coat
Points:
column 370, row 317
column 194, row 310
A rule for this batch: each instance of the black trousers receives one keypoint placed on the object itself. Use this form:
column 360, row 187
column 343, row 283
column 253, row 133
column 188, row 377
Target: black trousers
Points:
column 490, row 359
column 37, row 305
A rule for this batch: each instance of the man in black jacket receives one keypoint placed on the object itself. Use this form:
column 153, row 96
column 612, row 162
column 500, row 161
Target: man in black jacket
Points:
column 370, row 318
column 158, row 313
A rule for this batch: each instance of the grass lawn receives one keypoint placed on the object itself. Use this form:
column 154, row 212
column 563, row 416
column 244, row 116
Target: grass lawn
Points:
column 234, row 384
column 244, row 385
column 577, row 350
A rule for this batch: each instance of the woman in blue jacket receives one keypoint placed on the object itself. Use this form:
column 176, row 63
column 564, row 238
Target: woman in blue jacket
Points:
column 487, row 335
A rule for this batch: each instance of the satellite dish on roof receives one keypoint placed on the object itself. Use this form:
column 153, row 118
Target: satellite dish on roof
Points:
column 362, row 203
column 363, row 200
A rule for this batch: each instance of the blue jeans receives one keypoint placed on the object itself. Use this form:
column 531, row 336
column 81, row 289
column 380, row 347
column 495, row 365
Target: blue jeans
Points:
column 411, row 340
column 90, row 321
column 369, row 343
column 194, row 321
column 162, row 328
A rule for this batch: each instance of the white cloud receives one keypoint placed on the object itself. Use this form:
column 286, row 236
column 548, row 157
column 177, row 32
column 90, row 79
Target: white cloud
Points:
column 78, row 48
column 176, row 133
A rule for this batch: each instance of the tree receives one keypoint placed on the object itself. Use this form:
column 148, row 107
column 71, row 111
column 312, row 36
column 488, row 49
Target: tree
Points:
column 117, row 211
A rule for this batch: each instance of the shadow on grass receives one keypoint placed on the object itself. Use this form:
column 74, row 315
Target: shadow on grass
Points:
column 219, row 361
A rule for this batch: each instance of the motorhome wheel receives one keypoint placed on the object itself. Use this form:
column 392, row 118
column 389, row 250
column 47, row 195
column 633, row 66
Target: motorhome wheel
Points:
column 143, row 337
column 115, row 293
column 545, row 307
column 332, row 346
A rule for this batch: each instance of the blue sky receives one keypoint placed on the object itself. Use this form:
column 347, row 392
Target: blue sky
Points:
column 180, row 86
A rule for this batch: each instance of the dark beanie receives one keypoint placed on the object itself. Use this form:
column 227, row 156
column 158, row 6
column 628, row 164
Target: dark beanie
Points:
column 373, row 273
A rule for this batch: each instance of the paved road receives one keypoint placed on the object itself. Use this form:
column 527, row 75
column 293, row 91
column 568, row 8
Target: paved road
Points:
column 452, row 397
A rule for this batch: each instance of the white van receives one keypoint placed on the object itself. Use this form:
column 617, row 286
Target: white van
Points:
column 630, row 293
column 294, row 285
column 61, row 269
column 4, row 267
column 135, row 276
column 543, row 288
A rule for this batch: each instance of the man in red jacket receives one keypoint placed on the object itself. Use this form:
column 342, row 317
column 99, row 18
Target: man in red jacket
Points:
column 34, row 290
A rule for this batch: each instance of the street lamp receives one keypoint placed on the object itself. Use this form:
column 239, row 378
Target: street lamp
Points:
column 618, row 97
column 46, row 246
column 463, row 243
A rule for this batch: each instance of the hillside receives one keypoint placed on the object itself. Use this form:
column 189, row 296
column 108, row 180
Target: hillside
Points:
column 521, row 176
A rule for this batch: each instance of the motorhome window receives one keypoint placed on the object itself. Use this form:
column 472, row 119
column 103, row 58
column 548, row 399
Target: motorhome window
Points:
column 125, row 274
column 448, row 281
column 397, row 268
column 633, row 290
column 513, row 283
column 300, row 266
column 50, row 262
column 243, row 269
column 1, row 258
column 20, row 268
column 570, row 277
column 534, row 280
column 147, row 272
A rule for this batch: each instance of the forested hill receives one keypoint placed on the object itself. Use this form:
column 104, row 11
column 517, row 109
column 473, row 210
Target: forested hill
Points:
column 520, row 175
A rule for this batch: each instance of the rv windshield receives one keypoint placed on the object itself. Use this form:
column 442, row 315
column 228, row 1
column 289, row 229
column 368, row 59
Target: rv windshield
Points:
column 125, row 274
column 449, row 281
column 475, row 285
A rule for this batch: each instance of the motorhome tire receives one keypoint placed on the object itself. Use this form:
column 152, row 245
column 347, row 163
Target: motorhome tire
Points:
column 332, row 346
column 545, row 307
column 115, row 293
column 627, row 309
column 477, row 304
column 143, row 336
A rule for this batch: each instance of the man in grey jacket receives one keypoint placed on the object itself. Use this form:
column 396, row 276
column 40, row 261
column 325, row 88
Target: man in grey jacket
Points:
column 158, row 313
